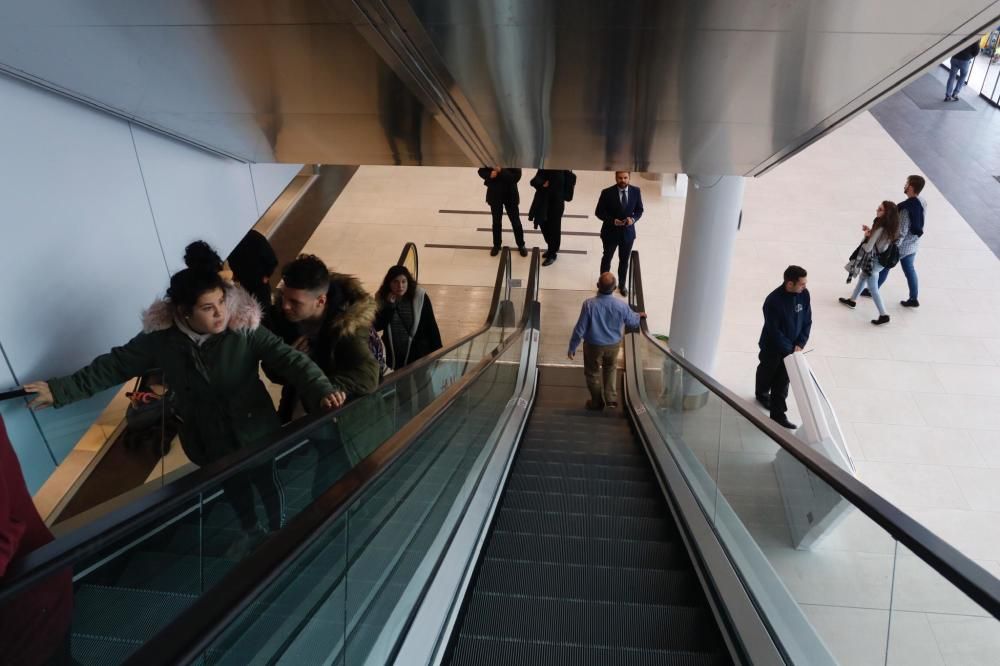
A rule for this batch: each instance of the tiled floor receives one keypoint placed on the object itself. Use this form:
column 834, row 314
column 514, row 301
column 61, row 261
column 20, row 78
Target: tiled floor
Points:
column 919, row 399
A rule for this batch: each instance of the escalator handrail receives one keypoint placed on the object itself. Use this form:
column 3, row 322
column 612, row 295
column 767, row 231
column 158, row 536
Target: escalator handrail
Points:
column 977, row 583
column 186, row 637
column 408, row 248
column 131, row 516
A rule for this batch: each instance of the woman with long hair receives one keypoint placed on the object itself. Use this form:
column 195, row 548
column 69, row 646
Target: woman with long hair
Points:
column 206, row 338
column 406, row 318
column 881, row 236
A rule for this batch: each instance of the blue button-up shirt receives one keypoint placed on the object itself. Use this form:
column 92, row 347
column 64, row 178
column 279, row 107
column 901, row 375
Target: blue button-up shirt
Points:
column 601, row 320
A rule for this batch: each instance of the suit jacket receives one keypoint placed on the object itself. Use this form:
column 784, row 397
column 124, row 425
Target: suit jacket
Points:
column 548, row 201
column 503, row 188
column 609, row 207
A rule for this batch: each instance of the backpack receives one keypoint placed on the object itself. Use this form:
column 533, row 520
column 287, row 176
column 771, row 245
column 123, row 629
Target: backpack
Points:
column 889, row 257
column 569, row 185
column 148, row 413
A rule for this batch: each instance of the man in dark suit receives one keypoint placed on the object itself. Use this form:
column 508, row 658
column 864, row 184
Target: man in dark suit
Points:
column 501, row 192
column 619, row 208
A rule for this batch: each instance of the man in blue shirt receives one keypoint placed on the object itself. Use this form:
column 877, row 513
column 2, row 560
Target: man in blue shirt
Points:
column 600, row 328
column 787, row 323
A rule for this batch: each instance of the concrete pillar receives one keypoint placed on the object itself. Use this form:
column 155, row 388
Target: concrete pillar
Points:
column 711, row 218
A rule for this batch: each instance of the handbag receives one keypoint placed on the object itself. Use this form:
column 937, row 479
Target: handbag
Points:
column 890, row 256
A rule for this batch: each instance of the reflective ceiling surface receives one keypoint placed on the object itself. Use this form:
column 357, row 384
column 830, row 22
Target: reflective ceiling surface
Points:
column 697, row 86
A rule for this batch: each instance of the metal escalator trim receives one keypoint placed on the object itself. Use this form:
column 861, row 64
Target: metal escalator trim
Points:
column 973, row 580
column 128, row 517
column 185, row 638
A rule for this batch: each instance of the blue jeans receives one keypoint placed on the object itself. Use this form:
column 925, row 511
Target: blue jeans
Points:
column 908, row 270
column 956, row 78
column 871, row 283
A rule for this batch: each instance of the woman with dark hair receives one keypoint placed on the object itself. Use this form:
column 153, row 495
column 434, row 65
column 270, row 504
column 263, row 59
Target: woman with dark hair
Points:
column 406, row 318
column 867, row 260
column 206, row 338
column 253, row 261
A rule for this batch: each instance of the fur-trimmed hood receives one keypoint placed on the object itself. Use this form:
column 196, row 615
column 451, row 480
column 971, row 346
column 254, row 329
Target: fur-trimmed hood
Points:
column 349, row 307
column 245, row 313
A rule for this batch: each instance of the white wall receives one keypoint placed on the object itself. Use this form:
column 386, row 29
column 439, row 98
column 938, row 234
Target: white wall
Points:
column 96, row 215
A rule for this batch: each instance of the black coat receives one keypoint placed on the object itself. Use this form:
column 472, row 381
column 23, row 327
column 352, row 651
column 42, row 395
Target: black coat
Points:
column 548, row 201
column 503, row 188
column 426, row 337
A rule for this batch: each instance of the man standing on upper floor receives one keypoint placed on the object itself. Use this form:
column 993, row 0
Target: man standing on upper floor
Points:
column 619, row 208
column 553, row 188
column 501, row 192
column 787, row 322
column 911, row 227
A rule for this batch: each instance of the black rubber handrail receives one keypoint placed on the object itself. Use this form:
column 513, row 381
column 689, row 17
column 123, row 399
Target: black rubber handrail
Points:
column 980, row 585
column 132, row 516
column 13, row 393
column 408, row 249
column 186, row 637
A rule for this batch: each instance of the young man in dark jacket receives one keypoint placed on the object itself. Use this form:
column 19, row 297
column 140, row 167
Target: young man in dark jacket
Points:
column 328, row 316
column 787, row 322
column 501, row 192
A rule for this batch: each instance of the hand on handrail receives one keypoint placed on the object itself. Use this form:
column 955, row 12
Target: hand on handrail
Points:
column 43, row 395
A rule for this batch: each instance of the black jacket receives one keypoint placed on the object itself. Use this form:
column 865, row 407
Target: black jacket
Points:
column 503, row 188
column 787, row 321
column 548, row 201
column 425, row 336
column 968, row 53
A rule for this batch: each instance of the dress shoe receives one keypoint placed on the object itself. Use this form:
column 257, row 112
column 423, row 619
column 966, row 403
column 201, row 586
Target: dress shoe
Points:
column 783, row 421
column 523, row 250
column 549, row 261
column 883, row 319
column 494, row 251
column 624, row 292
column 910, row 303
column 848, row 302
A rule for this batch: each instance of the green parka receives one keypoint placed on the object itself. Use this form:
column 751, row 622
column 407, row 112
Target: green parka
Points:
column 215, row 388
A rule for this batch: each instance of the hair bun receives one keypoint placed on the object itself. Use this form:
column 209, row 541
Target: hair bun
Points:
column 200, row 256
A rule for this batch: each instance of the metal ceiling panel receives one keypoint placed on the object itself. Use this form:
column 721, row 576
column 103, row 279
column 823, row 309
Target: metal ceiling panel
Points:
column 709, row 86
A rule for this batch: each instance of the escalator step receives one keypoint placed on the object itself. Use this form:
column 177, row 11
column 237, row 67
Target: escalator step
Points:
column 622, row 625
column 120, row 614
column 575, row 486
column 588, row 551
column 610, row 470
column 589, row 583
column 582, row 525
column 590, row 504
column 474, row 651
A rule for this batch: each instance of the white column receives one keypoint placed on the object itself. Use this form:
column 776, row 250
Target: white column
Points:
column 711, row 219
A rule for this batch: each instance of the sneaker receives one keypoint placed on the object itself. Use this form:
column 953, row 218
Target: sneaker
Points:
column 947, row 98
column 549, row 261
column 910, row 303
column 523, row 250
column 783, row 421
column 884, row 319
column 848, row 302
column 592, row 407
column 953, row 98
column 612, row 405
column 866, row 293
column 494, row 251
column 624, row 292
column 764, row 401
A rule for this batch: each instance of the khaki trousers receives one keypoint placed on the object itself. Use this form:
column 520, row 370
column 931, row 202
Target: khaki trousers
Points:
column 600, row 363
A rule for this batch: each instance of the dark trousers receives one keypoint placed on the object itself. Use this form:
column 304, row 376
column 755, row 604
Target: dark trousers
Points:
column 552, row 232
column 772, row 381
column 623, row 246
column 239, row 493
column 515, row 222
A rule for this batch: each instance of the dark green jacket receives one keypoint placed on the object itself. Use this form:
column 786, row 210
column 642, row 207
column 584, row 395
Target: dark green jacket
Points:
column 215, row 389
column 341, row 347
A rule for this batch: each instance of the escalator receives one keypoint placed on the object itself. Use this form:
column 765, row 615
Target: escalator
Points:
column 583, row 564
column 508, row 525
column 144, row 560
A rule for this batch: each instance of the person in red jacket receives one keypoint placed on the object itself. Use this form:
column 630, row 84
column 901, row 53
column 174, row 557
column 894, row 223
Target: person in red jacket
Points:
column 34, row 625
